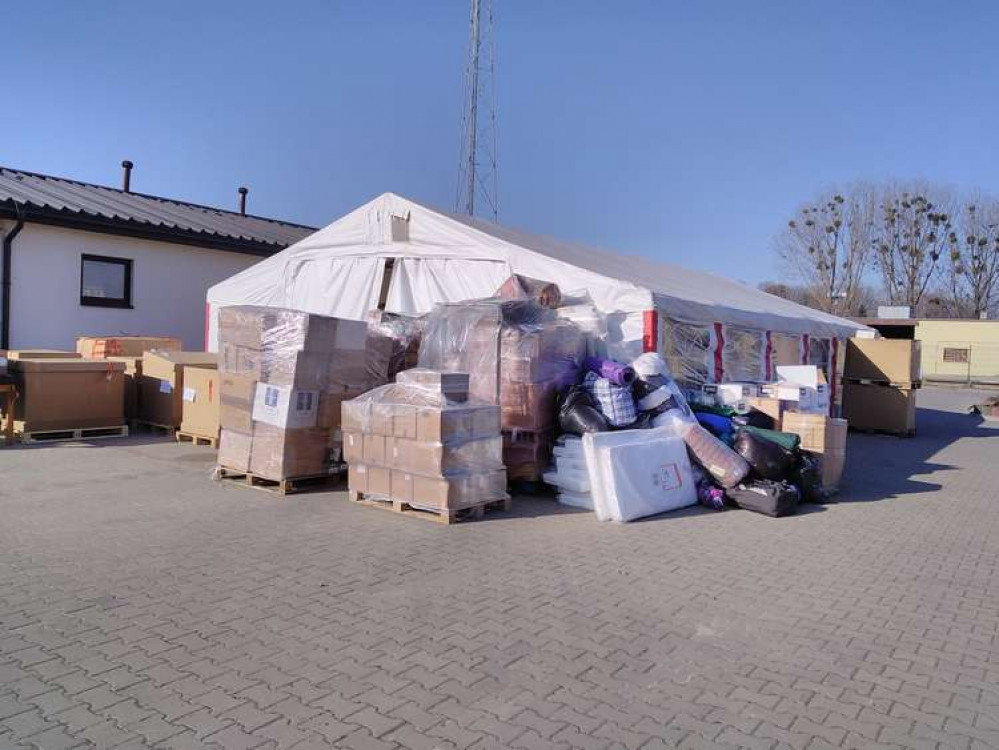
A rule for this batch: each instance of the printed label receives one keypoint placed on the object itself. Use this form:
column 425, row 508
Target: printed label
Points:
column 190, row 394
column 667, row 477
column 166, row 386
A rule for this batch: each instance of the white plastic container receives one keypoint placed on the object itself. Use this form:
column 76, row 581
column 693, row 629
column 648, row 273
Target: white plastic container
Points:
column 638, row 473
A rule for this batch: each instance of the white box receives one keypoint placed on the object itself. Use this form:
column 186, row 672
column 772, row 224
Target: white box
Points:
column 805, row 387
column 730, row 394
column 285, row 407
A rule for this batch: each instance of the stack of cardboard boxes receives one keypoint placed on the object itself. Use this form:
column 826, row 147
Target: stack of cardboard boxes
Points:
column 881, row 379
column 519, row 357
column 283, row 377
column 421, row 443
column 825, row 439
column 127, row 350
column 163, row 392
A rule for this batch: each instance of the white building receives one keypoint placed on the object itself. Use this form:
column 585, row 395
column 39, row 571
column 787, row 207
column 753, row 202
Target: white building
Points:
column 83, row 259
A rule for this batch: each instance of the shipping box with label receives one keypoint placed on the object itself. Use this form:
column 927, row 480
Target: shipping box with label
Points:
column 201, row 402
column 161, row 385
column 103, row 347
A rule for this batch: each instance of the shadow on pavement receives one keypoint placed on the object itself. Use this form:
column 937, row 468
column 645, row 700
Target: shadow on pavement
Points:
column 880, row 467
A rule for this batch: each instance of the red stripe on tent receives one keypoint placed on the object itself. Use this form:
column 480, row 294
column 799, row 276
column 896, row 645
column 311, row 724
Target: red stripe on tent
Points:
column 834, row 351
column 719, row 345
column 769, row 365
column 650, row 331
column 208, row 317
column 805, row 346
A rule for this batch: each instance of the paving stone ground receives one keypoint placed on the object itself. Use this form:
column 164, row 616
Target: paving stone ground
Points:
column 143, row 605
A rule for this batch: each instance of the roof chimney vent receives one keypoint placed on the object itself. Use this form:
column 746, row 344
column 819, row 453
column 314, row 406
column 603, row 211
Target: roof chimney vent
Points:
column 242, row 199
column 126, row 178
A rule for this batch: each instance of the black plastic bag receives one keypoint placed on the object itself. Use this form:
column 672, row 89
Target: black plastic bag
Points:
column 808, row 478
column 770, row 498
column 755, row 418
column 768, row 460
column 578, row 415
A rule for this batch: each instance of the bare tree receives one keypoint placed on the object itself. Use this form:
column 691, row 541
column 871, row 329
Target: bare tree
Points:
column 912, row 233
column 827, row 247
column 974, row 260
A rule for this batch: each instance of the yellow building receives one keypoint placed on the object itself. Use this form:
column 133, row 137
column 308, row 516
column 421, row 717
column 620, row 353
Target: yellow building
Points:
column 953, row 350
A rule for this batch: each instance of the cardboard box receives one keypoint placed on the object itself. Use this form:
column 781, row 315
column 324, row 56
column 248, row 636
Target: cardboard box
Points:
column 357, row 478
column 772, row 407
column 133, row 373
column 404, row 422
column 527, row 406
column 285, row 407
column 381, row 419
column 277, row 329
column 891, row 361
column 402, row 486
column 355, row 416
column 284, row 454
column 161, row 386
column 818, row 433
column 235, row 449
column 881, row 408
column 456, row 424
column 379, row 481
column 241, row 360
column 453, row 385
column 804, row 388
column 374, row 450
column 102, row 347
column 236, row 407
column 461, row 491
column 14, row 354
column 353, row 447
column 730, row 394
column 438, row 459
column 331, row 407
column 831, row 465
column 71, row 393
column 201, row 402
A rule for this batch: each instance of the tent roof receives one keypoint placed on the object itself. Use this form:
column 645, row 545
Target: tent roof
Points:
column 632, row 281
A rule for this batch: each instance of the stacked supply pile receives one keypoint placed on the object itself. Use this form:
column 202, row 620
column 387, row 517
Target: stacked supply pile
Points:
column 421, row 444
column 880, row 384
column 519, row 356
column 283, row 377
column 60, row 392
column 161, row 385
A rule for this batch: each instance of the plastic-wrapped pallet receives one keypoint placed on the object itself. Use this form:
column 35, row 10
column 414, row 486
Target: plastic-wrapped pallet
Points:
column 519, row 355
column 411, row 444
column 637, row 473
column 569, row 473
column 283, row 376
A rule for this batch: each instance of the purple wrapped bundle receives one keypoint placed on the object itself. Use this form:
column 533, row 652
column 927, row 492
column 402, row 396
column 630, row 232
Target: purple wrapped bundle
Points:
column 615, row 372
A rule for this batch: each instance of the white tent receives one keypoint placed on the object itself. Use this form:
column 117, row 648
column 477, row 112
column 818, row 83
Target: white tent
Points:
column 444, row 257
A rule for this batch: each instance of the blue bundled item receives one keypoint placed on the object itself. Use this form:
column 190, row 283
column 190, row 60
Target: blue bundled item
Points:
column 719, row 426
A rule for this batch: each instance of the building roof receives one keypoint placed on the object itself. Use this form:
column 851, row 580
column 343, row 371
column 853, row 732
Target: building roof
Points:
column 69, row 203
column 875, row 322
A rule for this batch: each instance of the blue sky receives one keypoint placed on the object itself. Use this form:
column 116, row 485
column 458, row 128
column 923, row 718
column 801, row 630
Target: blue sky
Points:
column 683, row 131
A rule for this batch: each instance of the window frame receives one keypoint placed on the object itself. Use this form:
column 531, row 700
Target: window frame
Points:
column 124, row 303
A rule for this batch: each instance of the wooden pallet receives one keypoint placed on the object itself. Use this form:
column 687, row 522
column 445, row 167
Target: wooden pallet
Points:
column 287, row 486
column 915, row 385
column 891, row 433
column 139, row 425
column 78, row 433
column 190, row 437
column 439, row 515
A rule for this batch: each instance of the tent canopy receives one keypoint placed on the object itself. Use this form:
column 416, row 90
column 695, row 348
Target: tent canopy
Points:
column 444, row 257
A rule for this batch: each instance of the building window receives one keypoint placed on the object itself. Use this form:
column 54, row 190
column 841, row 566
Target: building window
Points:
column 105, row 281
column 955, row 355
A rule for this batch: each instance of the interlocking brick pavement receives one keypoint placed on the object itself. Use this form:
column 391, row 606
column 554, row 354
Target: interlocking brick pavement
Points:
column 142, row 605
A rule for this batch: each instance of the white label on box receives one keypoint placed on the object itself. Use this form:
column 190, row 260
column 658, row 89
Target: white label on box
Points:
column 285, row 407
column 166, row 386
column 190, row 394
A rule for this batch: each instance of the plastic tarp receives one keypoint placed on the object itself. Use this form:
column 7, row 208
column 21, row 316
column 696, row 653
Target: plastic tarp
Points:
column 621, row 286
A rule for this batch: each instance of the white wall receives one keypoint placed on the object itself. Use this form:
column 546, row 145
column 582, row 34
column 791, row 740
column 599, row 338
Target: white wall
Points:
column 169, row 283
